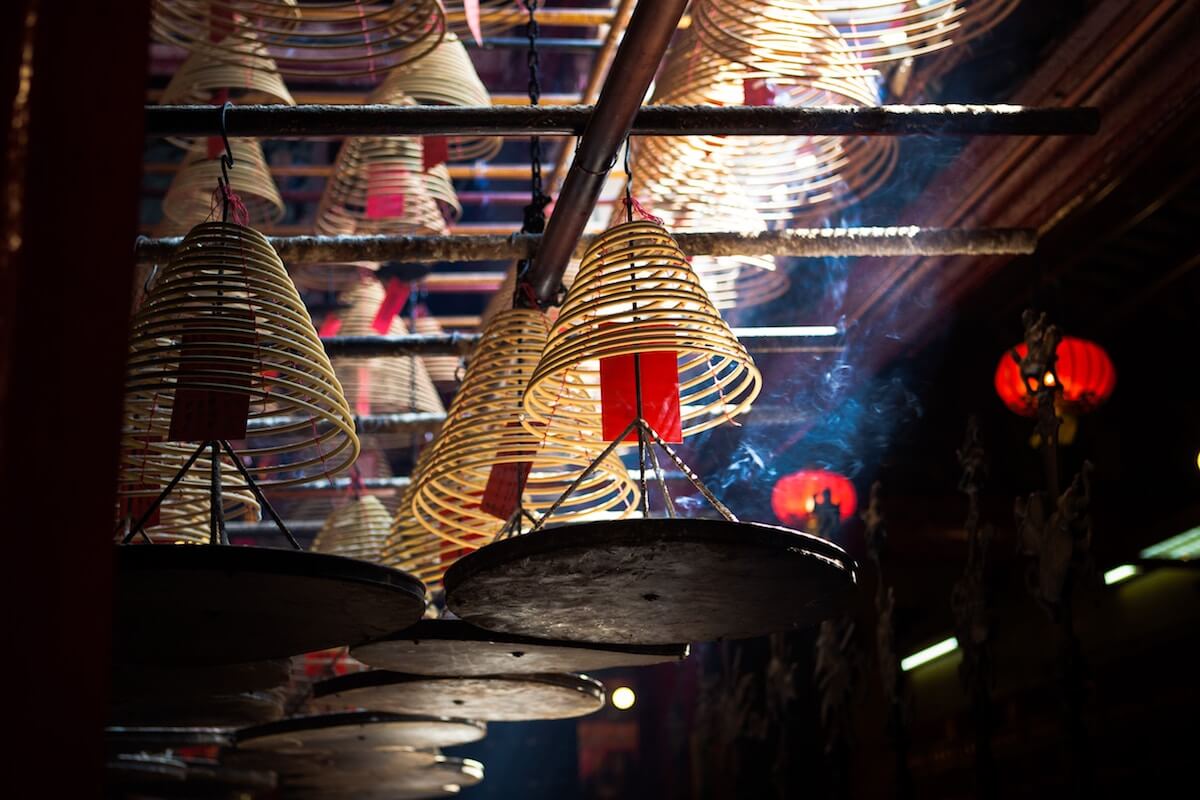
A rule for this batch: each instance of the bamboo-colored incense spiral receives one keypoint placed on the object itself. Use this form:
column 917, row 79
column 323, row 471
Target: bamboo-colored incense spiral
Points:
column 314, row 40
column 356, row 529
column 636, row 293
column 483, row 432
column 221, row 322
column 191, row 197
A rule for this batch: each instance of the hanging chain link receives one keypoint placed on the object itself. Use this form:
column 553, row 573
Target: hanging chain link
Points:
column 535, row 212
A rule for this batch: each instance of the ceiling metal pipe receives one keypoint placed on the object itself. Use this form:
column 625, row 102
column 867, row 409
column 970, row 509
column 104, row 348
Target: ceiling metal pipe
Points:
column 318, row 121
column 633, row 67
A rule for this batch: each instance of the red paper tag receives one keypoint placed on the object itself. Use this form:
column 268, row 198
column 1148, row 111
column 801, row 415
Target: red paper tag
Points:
column 202, row 414
column 660, row 395
column 502, row 492
column 434, row 150
column 471, row 9
column 362, row 400
column 330, row 326
column 757, row 92
column 385, row 191
column 393, row 301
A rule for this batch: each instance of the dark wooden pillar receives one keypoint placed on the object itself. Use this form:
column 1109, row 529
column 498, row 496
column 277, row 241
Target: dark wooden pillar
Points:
column 73, row 83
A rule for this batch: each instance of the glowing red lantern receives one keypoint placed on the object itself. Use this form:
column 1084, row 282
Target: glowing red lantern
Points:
column 1084, row 370
column 795, row 496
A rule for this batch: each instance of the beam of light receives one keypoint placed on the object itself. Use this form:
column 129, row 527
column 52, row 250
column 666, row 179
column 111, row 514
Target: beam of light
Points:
column 944, row 647
column 1121, row 573
column 1183, row 547
column 787, row 330
column 622, row 698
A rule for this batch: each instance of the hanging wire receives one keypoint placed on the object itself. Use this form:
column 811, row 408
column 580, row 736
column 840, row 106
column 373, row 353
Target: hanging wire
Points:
column 226, row 165
column 535, row 213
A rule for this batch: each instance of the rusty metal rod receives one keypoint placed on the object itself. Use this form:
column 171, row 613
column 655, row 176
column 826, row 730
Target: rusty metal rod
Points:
column 281, row 121
column 908, row 240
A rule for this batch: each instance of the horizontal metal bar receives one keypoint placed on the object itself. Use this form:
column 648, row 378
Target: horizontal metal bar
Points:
column 369, row 423
column 808, row 242
column 561, row 44
column 304, row 527
column 281, row 121
column 421, row 344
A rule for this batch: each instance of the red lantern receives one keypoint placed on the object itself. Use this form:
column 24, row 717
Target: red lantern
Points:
column 795, row 496
column 1084, row 370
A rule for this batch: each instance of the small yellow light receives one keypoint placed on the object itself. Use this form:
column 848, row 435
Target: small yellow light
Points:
column 810, row 505
column 1049, row 379
column 623, row 698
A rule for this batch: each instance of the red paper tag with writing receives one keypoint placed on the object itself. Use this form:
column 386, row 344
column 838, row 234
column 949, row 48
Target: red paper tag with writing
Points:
column 385, row 191
column 757, row 92
column 200, row 414
column 660, row 395
column 394, row 298
column 471, row 9
column 434, row 150
column 330, row 326
column 502, row 493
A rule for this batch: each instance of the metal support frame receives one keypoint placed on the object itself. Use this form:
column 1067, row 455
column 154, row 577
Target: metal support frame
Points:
column 908, row 240
column 282, row 121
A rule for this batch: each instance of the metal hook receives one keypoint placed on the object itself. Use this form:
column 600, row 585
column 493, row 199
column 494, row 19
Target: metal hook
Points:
column 226, row 165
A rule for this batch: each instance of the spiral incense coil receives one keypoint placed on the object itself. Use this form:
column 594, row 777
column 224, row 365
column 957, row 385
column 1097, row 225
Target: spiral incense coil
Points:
column 189, row 200
column 413, row 548
column 446, row 77
column 441, row 369
column 483, row 432
column 379, row 186
column 305, row 39
column 204, row 80
column 783, row 177
column 797, row 36
column 332, row 277
column 183, row 515
column 380, row 384
column 223, row 321
column 357, row 529
column 441, row 188
column 636, row 293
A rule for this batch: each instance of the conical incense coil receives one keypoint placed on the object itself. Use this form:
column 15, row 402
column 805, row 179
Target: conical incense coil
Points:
column 184, row 515
column 636, row 293
column 223, row 338
column 379, row 187
column 441, row 369
column 446, row 77
column 483, row 433
column 440, row 186
column 783, row 177
column 310, row 40
column 794, row 36
column 731, row 281
column 190, row 198
column 204, row 80
column 332, row 277
column 383, row 384
column 357, row 529
column 414, row 548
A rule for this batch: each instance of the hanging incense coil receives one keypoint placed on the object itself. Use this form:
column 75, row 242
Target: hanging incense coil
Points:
column 441, row 188
column 310, row 40
column 204, row 80
column 794, row 36
column 223, row 338
column 483, row 433
column 379, row 186
column 382, row 384
column 441, row 369
column 184, row 515
column 357, row 529
column 415, row 549
column 784, row 178
column 332, row 277
column 636, row 293
column 446, row 77
column 190, row 198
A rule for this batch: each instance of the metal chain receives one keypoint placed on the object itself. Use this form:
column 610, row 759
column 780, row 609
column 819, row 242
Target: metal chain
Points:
column 535, row 212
